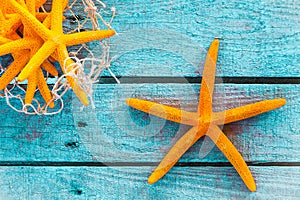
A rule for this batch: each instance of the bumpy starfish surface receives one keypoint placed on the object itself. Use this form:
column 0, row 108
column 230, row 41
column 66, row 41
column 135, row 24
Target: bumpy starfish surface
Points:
column 48, row 41
column 21, row 58
column 205, row 122
column 10, row 21
column 36, row 79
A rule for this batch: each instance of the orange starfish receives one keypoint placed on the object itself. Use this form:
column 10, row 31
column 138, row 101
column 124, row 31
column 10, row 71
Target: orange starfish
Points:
column 205, row 122
column 55, row 42
column 10, row 21
column 36, row 79
column 21, row 58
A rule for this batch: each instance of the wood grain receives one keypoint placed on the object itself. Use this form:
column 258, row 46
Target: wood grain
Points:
column 171, row 38
column 131, row 182
column 48, row 157
column 113, row 132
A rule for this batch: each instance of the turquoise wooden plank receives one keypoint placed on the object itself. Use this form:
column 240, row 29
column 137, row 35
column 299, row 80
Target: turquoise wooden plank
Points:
column 113, row 132
column 170, row 38
column 131, row 183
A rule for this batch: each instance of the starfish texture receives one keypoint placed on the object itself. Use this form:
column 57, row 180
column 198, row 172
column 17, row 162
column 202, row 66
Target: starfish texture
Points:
column 33, row 39
column 205, row 122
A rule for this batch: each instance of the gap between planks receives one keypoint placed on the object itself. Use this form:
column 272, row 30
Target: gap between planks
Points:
column 139, row 164
column 191, row 80
column 187, row 80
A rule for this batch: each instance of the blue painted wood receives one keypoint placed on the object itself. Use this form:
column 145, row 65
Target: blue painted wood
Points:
column 131, row 183
column 170, row 38
column 167, row 38
column 115, row 133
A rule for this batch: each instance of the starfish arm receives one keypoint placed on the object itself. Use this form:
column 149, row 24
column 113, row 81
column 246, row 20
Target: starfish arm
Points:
column 27, row 30
column 162, row 111
column 13, row 70
column 43, row 88
column 47, row 66
column 31, row 88
column 4, row 7
column 30, row 4
column 35, row 24
column 35, row 62
column 208, row 79
column 41, row 16
column 65, row 63
column 2, row 16
column 22, row 3
column 181, row 146
column 9, row 26
column 15, row 46
column 33, row 77
column 14, row 23
column 83, row 37
column 13, row 36
column 48, row 20
column 247, row 111
column 39, row 3
column 4, row 40
column 231, row 153
column 56, row 16
column 52, row 58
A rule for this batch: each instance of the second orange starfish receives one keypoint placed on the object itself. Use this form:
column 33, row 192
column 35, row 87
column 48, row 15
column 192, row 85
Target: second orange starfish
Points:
column 206, row 122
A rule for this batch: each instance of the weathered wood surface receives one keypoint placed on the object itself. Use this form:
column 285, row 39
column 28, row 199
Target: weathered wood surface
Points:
column 131, row 182
column 167, row 39
column 170, row 38
column 113, row 132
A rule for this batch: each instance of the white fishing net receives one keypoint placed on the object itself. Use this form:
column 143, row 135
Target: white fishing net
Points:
column 86, row 69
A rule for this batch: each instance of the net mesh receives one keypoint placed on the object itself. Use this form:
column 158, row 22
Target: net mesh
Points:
column 86, row 69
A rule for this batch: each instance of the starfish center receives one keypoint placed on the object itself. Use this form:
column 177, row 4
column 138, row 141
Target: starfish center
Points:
column 57, row 39
column 206, row 123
